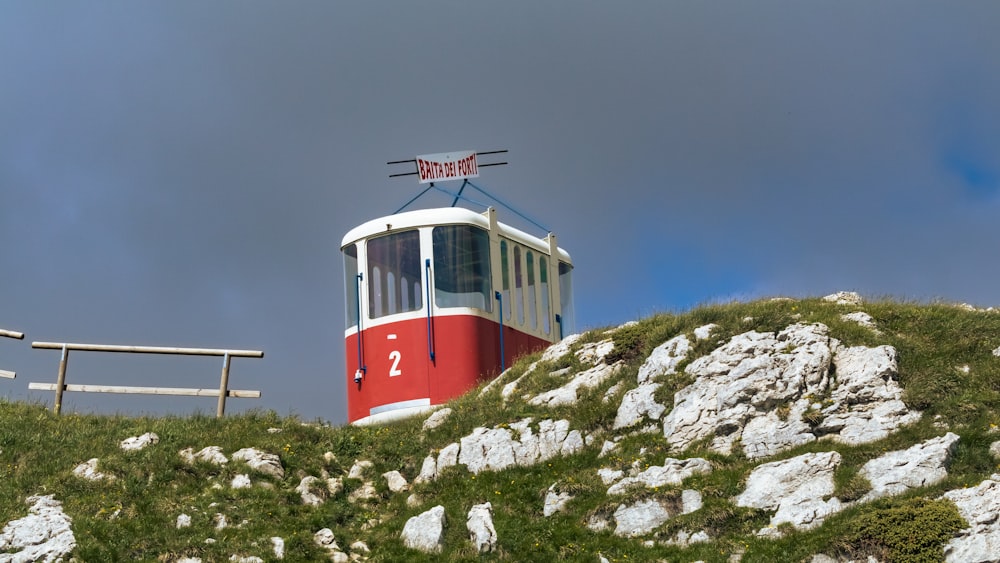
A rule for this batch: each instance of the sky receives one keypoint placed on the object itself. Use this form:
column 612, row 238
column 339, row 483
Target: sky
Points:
column 182, row 173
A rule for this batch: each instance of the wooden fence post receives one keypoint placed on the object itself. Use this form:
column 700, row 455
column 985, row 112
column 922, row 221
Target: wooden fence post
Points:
column 223, row 387
column 61, row 379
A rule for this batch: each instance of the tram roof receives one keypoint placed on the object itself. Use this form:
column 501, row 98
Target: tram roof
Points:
column 443, row 216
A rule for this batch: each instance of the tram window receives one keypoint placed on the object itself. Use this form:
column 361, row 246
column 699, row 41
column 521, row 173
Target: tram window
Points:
column 393, row 258
column 505, row 269
column 350, row 285
column 566, row 298
column 518, row 290
column 532, row 305
column 543, row 275
column 462, row 267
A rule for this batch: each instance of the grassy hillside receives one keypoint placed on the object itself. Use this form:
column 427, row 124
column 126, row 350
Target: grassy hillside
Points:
column 946, row 368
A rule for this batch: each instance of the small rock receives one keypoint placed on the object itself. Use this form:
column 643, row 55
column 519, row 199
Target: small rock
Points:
column 365, row 492
column 268, row 464
column 139, row 442
column 690, row 501
column 479, row 522
column 220, row 521
column 414, row 501
column 862, row 318
column 703, row 332
column 278, row 546
column 995, row 449
column 640, row 518
column 555, row 502
column 274, row 431
column 358, row 469
column 211, row 454
column 360, row 547
column 246, row 559
column 844, row 298
column 425, row 532
column 88, row 470
column 183, row 521
column 305, row 490
column 436, row 419
column 396, row 482
column 241, row 481
column 997, row 352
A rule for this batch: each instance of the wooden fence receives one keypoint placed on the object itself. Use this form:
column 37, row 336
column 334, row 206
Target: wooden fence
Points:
column 222, row 392
column 17, row 336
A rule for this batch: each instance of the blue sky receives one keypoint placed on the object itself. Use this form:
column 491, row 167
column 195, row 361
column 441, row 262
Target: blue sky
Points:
column 181, row 174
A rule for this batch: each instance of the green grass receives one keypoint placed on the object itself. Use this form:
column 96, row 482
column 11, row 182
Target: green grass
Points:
column 132, row 518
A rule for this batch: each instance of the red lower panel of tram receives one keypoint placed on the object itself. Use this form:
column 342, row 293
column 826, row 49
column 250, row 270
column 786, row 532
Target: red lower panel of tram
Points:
column 401, row 374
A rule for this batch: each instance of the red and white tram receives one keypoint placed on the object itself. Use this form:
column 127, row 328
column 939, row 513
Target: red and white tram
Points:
column 439, row 300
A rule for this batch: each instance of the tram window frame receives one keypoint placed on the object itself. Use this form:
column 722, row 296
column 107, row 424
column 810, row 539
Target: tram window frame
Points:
column 393, row 257
column 505, row 276
column 546, row 312
column 531, row 302
column 519, row 284
column 352, row 299
column 462, row 272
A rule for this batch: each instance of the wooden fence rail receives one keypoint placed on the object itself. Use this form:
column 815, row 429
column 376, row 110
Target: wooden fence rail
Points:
column 222, row 392
column 17, row 336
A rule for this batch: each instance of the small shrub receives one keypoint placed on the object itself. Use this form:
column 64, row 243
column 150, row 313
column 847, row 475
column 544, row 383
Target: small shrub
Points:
column 912, row 531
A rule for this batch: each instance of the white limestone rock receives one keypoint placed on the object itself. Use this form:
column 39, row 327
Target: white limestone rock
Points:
column 88, row 470
column 560, row 349
column 795, row 488
column 396, row 482
column 844, row 298
column 690, row 501
column 637, row 405
column 612, row 391
column 767, row 435
column 997, row 352
column 980, row 507
column 594, row 352
column 245, row 559
column 448, row 456
column 425, row 532
column 995, row 449
column 241, row 481
column 211, row 454
column 745, row 378
column 278, row 547
column 221, row 523
column 436, row 419
column 479, row 522
column 365, row 492
column 672, row 472
column 325, row 539
column 663, row 360
column 609, row 476
column 428, row 471
column 555, row 501
column 568, row 393
column 43, row 535
column 262, row 462
column 358, row 469
column 703, row 332
column 640, row 518
column 306, row 489
column 922, row 465
column 861, row 318
column 137, row 443
column 183, row 521
column 607, row 448
column 495, row 449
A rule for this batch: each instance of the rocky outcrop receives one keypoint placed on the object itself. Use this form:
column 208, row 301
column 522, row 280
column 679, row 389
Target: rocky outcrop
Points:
column 672, row 472
column 762, row 392
column 637, row 405
column 425, row 531
column 922, row 465
column 493, row 449
column 980, row 507
column 569, row 393
column 262, row 462
column 664, row 359
column 795, row 488
column 640, row 518
column 43, row 535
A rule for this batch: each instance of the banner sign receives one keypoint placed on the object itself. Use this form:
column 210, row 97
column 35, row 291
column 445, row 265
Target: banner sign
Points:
column 447, row 166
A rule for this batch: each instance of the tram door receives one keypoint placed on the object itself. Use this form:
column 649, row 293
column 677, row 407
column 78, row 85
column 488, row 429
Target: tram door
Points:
column 395, row 347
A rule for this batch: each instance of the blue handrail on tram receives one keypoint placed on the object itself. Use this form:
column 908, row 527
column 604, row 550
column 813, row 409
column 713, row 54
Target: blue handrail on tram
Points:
column 427, row 286
column 362, row 369
column 499, row 297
